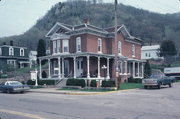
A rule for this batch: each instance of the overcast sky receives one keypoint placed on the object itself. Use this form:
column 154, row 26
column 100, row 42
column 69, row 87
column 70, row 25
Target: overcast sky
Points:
column 17, row 16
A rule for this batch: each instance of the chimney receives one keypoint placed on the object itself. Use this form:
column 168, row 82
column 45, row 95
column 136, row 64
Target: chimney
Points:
column 86, row 21
column 11, row 43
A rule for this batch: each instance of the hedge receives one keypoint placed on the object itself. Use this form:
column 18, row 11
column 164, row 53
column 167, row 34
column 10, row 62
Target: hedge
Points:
column 41, row 82
column 109, row 83
column 134, row 80
column 76, row 82
column 93, row 83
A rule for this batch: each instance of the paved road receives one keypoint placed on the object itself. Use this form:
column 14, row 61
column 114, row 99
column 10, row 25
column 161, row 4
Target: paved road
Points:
column 134, row 104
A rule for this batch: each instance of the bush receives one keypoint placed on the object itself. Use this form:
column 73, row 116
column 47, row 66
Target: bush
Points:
column 93, row 83
column 131, row 80
column 41, row 82
column 76, row 82
column 109, row 83
column 134, row 80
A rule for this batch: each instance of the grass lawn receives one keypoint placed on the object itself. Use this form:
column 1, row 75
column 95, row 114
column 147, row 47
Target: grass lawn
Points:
column 124, row 86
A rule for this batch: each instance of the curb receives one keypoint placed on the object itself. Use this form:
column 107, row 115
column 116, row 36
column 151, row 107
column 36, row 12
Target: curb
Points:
column 84, row 93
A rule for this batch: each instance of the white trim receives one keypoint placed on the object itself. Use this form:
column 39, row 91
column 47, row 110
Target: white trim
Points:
column 0, row 51
column 100, row 45
column 78, row 43
column 133, row 50
column 57, row 24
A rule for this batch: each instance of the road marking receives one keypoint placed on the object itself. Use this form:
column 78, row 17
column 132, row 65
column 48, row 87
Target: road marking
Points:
column 32, row 116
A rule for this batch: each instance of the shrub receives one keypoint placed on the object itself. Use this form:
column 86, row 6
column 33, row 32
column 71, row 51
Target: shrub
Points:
column 131, row 80
column 109, row 83
column 41, row 82
column 134, row 80
column 93, row 83
column 76, row 82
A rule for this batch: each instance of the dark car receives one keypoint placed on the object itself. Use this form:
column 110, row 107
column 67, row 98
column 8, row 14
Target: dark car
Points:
column 13, row 86
column 157, row 80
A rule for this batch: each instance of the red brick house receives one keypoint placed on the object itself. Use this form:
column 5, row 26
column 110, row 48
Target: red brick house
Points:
column 81, row 52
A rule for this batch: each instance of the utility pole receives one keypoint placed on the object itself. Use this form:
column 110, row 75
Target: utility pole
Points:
column 115, row 43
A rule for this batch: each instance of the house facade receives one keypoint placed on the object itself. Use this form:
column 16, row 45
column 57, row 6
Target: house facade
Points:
column 88, row 52
column 15, row 56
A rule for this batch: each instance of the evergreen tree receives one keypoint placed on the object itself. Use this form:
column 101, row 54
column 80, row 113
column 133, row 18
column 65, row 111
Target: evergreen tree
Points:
column 41, row 50
column 167, row 50
column 147, row 70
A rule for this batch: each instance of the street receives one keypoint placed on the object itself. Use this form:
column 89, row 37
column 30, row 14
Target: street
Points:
column 131, row 104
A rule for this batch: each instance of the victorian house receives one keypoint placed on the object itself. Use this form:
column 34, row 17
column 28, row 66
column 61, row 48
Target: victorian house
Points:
column 86, row 51
column 14, row 56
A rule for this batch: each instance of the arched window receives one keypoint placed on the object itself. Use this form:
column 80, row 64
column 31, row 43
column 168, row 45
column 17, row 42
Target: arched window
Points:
column 78, row 44
column 99, row 45
column 11, row 51
column 119, row 47
column 21, row 52
column 133, row 50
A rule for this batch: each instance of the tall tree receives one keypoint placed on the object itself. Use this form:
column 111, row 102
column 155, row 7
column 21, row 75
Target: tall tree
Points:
column 41, row 49
column 147, row 70
column 167, row 50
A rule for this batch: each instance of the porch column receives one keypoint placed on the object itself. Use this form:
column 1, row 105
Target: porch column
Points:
column 138, row 70
column 126, row 67
column 59, row 66
column 74, row 58
column 40, row 69
column 62, row 67
column 142, row 66
column 88, row 74
column 99, row 67
column 49, row 62
column 134, row 69
column 108, row 68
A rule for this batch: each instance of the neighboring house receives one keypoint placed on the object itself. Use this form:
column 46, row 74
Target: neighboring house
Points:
column 150, row 52
column 81, row 51
column 33, row 57
column 14, row 56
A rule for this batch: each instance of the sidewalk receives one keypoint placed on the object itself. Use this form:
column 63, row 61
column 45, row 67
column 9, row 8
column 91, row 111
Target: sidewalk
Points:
column 67, row 92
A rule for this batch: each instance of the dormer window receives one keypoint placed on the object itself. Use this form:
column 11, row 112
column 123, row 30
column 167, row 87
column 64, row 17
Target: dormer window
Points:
column 78, row 44
column 119, row 47
column 133, row 50
column 0, row 51
column 99, row 45
column 65, row 46
column 11, row 51
column 21, row 52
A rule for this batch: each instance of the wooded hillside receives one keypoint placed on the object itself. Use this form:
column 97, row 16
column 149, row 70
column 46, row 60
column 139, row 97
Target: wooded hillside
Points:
column 150, row 27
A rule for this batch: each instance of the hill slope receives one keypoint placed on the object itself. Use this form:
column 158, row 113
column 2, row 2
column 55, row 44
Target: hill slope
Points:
column 150, row 27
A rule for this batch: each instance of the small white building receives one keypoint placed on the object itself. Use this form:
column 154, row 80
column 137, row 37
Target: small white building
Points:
column 150, row 52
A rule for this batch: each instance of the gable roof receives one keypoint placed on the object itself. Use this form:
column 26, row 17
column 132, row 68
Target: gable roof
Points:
column 57, row 26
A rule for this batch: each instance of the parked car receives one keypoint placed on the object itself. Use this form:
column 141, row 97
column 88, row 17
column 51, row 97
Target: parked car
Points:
column 13, row 86
column 158, row 81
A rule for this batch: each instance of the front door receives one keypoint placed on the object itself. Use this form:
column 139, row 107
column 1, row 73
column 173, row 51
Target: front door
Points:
column 79, row 67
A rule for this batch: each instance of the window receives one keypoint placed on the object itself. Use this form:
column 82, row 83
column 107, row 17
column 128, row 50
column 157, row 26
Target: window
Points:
column 11, row 62
column 54, row 47
column 11, row 51
column 146, row 54
column 78, row 44
column 21, row 52
column 119, row 47
column 65, row 46
column 0, row 51
column 99, row 45
column 133, row 50
column 58, row 46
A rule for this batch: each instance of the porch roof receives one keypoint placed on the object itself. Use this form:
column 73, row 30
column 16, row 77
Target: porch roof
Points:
column 81, row 54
